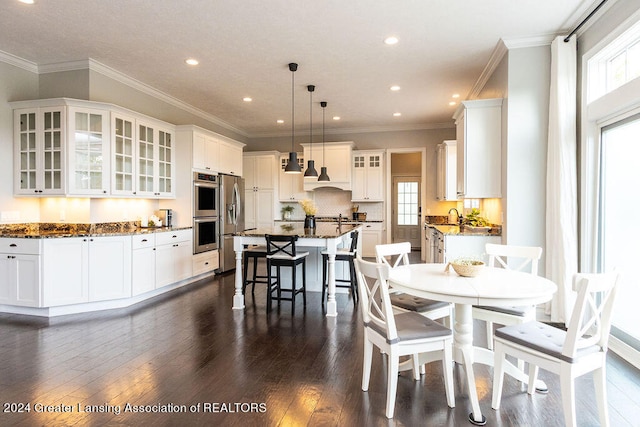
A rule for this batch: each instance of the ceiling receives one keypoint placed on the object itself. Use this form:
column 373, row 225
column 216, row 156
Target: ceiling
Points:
column 244, row 47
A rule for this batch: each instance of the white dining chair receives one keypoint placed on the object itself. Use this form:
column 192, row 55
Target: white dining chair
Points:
column 526, row 259
column 397, row 335
column 395, row 254
column 582, row 348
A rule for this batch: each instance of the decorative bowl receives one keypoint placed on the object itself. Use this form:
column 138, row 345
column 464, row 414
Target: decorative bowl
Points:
column 466, row 268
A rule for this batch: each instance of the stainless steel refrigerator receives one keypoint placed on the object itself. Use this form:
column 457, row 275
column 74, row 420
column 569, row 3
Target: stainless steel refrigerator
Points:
column 231, row 218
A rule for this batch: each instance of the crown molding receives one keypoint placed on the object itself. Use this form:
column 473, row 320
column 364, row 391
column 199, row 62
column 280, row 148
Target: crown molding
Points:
column 494, row 60
column 534, row 41
column 18, row 62
column 371, row 129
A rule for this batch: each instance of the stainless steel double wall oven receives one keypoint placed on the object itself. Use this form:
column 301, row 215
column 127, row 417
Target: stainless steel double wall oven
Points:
column 206, row 199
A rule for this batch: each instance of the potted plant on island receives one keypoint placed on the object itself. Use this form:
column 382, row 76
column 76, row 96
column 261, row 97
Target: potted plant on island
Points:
column 286, row 212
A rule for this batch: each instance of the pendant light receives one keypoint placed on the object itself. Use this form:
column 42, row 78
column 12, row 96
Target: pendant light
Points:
column 292, row 165
column 323, row 170
column 311, row 170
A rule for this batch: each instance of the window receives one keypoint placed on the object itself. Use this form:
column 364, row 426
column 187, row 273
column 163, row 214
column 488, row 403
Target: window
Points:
column 616, row 64
column 620, row 151
column 407, row 203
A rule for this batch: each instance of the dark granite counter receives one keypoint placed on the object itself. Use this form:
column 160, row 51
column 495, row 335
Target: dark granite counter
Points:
column 323, row 230
column 36, row 230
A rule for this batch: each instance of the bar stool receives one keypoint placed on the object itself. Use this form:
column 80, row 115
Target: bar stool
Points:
column 281, row 252
column 253, row 253
column 346, row 255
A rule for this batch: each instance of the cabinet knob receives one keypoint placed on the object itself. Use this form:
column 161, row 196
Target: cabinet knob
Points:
column 13, row 245
column 104, row 191
column 11, row 256
column 206, row 263
column 144, row 240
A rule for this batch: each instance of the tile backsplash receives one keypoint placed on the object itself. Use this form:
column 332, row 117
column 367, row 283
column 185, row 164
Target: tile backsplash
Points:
column 333, row 202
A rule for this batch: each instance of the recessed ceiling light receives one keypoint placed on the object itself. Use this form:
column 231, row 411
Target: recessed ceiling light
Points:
column 452, row 103
column 455, row 95
column 336, row 117
column 395, row 88
column 391, row 40
column 397, row 114
column 27, row 1
column 247, row 99
column 191, row 61
column 279, row 121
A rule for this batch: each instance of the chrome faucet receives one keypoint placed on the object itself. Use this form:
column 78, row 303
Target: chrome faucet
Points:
column 340, row 222
column 458, row 217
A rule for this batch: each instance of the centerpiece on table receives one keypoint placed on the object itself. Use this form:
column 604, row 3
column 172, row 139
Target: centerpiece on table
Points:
column 310, row 211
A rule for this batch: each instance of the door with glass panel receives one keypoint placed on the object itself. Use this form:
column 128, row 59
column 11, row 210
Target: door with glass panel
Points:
column 123, row 149
column 619, row 229
column 406, row 210
column 89, row 152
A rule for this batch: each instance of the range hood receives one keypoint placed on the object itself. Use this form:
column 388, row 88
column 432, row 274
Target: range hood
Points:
column 336, row 156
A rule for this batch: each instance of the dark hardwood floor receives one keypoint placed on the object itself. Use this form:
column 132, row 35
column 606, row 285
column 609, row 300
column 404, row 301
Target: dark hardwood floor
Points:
column 248, row 369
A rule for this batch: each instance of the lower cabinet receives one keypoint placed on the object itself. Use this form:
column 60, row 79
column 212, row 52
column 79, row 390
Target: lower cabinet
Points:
column 205, row 262
column 371, row 236
column 20, row 273
column 143, row 263
column 173, row 257
column 85, row 269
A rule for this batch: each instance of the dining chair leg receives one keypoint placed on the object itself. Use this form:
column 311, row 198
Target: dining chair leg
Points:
column 366, row 363
column 498, row 376
column 415, row 363
column 269, row 286
column 489, row 334
column 294, row 272
column 568, row 394
column 600, row 383
column 533, row 375
column 304, row 282
column 392, row 382
column 324, row 277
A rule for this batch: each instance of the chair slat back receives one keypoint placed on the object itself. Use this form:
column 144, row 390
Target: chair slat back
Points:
column 386, row 253
column 278, row 245
column 354, row 241
column 499, row 256
column 375, row 302
column 590, row 321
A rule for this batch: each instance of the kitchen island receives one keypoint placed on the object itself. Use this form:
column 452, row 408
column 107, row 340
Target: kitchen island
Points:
column 327, row 236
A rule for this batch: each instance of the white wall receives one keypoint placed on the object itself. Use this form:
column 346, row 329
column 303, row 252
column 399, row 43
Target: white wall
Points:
column 15, row 84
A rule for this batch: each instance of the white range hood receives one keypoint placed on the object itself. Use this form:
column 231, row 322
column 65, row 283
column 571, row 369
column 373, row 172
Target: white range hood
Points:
column 336, row 156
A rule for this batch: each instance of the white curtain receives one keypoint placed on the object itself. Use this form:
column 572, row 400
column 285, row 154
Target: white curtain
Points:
column 561, row 255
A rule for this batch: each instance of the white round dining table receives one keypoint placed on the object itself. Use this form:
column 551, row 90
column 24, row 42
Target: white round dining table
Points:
column 492, row 287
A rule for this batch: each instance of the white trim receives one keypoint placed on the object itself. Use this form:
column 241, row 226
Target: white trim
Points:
column 496, row 56
column 370, row 129
column 18, row 62
column 625, row 351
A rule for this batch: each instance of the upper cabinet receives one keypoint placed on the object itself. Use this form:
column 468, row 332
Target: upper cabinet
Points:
column 336, row 157
column 446, row 171
column 367, row 176
column 291, row 185
column 40, row 151
column 260, row 177
column 213, row 153
column 143, row 153
column 478, row 134
column 90, row 149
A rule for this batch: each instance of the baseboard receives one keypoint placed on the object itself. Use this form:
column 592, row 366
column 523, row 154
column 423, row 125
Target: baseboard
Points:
column 625, row 351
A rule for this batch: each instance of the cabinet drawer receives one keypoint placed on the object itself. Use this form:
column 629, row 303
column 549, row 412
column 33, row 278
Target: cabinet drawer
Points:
column 372, row 226
column 168, row 237
column 20, row 246
column 143, row 241
column 205, row 262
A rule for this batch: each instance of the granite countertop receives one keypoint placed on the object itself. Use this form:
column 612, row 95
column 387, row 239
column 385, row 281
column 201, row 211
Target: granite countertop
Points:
column 323, row 230
column 330, row 220
column 455, row 230
column 58, row 230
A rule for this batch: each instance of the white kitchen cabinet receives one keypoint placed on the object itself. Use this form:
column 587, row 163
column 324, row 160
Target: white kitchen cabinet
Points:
column 260, row 176
column 372, row 233
column 367, row 176
column 478, row 134
column 336, row 157
column 205, row 262
column 109, row 267
column 173, row 257
column 230, row 158
column 82, row 269
column 291, row 185
column 206, row 152
column 143, row 153
column 89, row 148
column 20, row 272
column 39, row 151
column 143, row 263
column 446, row 171
column 453, row 246
column 65, row 271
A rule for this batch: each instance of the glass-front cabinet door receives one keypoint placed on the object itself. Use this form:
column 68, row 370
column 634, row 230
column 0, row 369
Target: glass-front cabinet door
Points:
column 165, row 163
column 89, row 152
column 40, row 151
column 146, row 160
column 123, row 149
